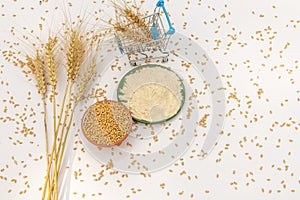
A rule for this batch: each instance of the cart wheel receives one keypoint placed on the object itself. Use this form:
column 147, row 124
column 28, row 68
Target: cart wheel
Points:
column 165, row 59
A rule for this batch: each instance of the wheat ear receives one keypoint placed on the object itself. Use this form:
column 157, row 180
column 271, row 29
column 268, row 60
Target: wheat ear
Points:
column 126, row 32
column 30, row 64
column 75, row 54
column 85, row 79
column 50, row 61
column 37, row 68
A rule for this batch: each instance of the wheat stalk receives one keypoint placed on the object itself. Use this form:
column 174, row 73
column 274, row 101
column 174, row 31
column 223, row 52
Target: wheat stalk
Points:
column 80, row 91
column 51, row 67
column 42, row 89
column 37, row 66
column 37, row 69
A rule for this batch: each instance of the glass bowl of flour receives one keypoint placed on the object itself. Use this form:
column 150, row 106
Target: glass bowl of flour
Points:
column 153, row 93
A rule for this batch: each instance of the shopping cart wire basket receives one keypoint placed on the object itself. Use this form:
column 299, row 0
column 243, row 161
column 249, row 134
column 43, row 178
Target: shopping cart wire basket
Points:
column 138, row 50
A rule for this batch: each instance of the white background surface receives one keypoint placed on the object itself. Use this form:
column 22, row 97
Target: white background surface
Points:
column 250, row 162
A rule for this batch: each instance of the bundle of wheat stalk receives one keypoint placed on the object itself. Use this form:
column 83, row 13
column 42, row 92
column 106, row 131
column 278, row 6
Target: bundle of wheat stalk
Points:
column 45, row 64
column 130, row 22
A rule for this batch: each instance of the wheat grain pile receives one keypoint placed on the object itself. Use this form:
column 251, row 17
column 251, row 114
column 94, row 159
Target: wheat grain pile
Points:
column 106, row 123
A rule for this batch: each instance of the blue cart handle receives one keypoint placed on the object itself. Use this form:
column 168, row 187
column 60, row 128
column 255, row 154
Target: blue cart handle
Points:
column 161, row 4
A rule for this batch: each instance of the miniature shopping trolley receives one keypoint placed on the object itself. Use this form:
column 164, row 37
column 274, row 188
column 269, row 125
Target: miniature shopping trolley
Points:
column 138, row 49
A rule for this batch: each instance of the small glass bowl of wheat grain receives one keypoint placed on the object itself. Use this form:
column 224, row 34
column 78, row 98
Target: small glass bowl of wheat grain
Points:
column 106, row 123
